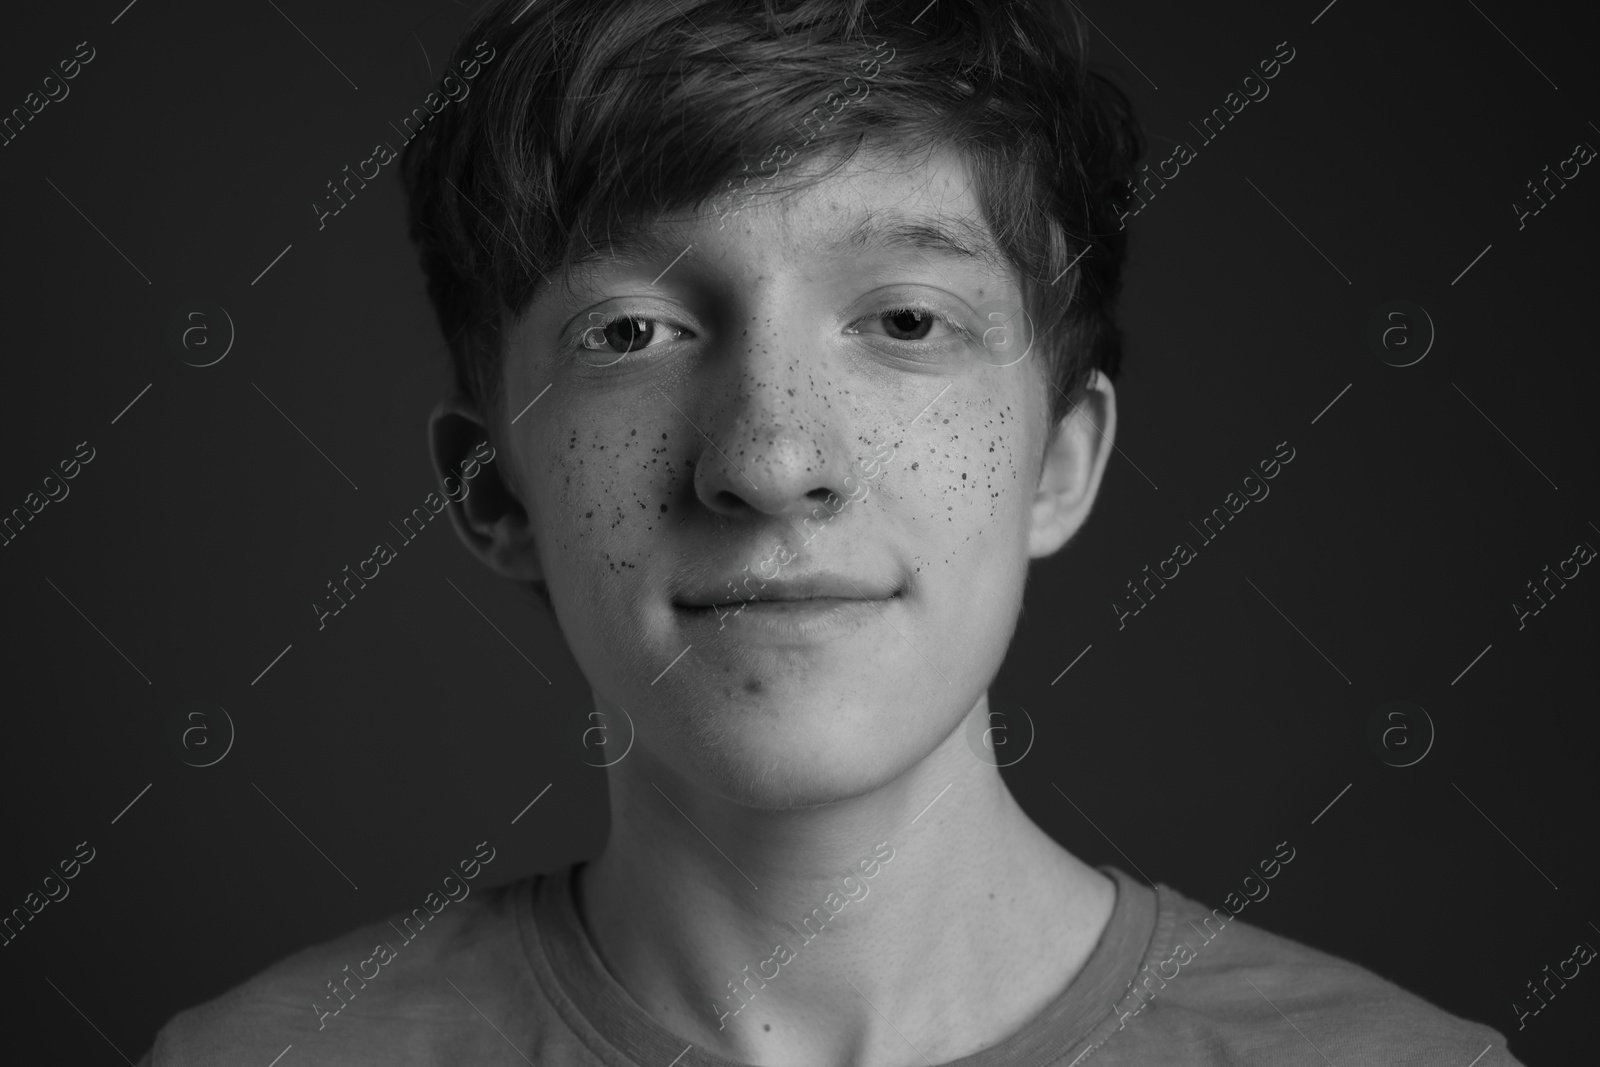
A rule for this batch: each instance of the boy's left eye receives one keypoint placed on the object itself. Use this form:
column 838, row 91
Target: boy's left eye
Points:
column 910, row 323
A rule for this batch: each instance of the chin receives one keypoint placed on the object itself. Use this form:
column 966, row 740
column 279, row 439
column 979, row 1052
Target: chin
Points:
column 806, row 756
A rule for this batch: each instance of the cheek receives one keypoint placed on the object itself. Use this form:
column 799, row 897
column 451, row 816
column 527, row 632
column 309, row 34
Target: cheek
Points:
column 614, row 484
column 966, row 475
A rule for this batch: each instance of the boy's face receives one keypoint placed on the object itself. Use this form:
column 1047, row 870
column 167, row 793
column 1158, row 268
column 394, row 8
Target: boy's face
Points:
column 775, row 407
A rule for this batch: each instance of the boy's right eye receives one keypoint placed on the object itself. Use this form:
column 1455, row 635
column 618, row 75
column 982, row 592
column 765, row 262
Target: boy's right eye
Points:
column 618, row 335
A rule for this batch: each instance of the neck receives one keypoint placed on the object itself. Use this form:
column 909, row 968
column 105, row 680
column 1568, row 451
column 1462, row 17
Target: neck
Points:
column 737, row 928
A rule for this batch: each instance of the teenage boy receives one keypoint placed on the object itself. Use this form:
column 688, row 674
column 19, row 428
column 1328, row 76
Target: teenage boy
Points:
column 790, row 323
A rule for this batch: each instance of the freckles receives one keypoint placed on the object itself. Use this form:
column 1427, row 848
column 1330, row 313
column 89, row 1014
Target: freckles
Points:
column 609, row 484
column 976, row 454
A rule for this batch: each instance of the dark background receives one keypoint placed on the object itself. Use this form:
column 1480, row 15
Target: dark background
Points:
column 1213, row 726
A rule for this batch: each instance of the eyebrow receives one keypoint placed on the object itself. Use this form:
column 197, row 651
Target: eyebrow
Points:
column 953, row 236
column 632, row 245
column 948, row 236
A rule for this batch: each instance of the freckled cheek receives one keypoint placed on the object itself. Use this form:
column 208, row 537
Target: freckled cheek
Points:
column 970, row 473
column 606, row 490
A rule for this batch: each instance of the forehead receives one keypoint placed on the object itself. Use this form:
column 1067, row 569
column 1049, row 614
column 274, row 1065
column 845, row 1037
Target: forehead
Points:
column 876, row 204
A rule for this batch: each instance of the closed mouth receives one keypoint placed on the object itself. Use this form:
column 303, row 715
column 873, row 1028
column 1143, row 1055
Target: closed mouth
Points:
column 818, row 589
column 802, row 602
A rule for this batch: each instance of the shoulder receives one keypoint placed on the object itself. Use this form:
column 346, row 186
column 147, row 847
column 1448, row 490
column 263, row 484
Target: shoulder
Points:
column 391, row 992
column 1215, row 982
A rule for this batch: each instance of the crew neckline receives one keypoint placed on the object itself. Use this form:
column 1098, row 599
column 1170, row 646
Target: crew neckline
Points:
column 620, row 1033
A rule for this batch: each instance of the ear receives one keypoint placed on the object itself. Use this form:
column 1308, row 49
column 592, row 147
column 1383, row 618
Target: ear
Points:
column 1074, row 461
column 485, row 506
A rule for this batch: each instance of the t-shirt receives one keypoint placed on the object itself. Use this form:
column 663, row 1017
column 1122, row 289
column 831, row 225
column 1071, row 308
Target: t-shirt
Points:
column 509, row 976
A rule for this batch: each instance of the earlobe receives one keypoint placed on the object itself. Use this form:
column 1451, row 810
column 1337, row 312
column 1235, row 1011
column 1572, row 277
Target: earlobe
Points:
column 1074, row 462
column 490, row 520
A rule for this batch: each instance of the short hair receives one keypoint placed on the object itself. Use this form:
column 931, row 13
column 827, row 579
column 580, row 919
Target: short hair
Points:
column 597, row 117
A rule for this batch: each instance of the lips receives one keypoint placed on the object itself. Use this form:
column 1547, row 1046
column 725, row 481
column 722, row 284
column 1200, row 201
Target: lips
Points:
column 746, row 587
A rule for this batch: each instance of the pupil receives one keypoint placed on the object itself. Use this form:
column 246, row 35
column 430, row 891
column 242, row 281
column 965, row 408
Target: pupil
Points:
column 911, row 321
column 626, row 335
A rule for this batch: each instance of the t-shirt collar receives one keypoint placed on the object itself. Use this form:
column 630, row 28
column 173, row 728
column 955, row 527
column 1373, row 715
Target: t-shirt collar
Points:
column 620, row 1033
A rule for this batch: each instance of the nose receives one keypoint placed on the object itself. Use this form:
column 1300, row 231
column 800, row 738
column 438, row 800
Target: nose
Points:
column 770, row 447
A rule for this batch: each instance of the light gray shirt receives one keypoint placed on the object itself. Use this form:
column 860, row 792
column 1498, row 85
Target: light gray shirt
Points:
column 509, row 976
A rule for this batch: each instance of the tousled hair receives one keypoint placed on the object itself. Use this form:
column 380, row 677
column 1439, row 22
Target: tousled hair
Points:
column 596, row 117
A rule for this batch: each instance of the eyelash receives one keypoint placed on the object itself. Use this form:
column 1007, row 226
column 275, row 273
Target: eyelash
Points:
column 607, row 321
column 955, row 327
